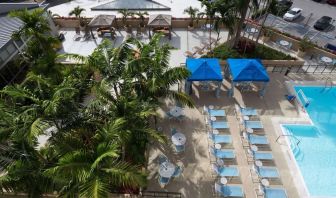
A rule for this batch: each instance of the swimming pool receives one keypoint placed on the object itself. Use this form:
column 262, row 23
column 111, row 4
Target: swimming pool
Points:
column 316, row 153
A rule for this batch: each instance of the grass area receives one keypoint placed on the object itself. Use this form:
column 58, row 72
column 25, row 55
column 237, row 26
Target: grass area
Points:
column 259, row 51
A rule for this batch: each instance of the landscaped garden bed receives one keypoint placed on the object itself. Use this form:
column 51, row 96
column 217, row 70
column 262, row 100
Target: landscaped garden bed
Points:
column 248, row 49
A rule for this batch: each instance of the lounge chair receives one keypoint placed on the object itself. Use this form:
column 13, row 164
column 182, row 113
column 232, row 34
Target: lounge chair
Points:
column 229, row 190
column 225, row 171
column 259, row 155
column 248, row 111
column 266, row 172
column 219, row 125
column 217, row 139
column 217, row 112
column 271, row 192
column 173, row 131
column 178, row 171
column 253, row 124
column 222, row 153
column 255, row 139
column 179, row 148
column 163, row 181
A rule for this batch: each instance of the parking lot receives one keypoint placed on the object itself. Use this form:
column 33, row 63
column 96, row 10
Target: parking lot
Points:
column 303, row 26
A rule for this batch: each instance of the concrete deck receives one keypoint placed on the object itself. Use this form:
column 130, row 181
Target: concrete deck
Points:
column 182, row 40
column 197, row 179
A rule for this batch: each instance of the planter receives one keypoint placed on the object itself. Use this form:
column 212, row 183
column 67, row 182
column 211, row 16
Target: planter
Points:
column 301, row 53
column 266, row 38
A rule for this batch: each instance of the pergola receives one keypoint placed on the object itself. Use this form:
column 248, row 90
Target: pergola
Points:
column 101, row 21
column 247, row 70
column 160, row 20
column 204, row 70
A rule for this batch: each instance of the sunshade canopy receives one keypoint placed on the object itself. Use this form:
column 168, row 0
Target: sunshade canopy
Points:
column 204, row 69
column 247, row 70
column 102, row 21
column 159, row 20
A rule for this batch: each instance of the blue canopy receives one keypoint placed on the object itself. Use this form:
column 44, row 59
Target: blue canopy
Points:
column 247, row 70
column 204, row 69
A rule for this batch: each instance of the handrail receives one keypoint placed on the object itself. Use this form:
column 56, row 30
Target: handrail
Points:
column 160, row 194
column 297, row 143
column 304, row 97
column 328, row 79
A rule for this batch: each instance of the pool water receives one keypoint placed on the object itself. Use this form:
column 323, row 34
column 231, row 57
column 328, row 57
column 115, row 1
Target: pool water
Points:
column 316, row 153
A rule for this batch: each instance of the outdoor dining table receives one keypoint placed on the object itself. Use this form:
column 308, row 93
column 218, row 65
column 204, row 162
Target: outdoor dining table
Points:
column 258, row 163
column 254, row 148
column 284, row 43
column 179, row 139
column 265, row 182
column 326, row 59
column 223, row 180
column 167, row 169
column 176, row 111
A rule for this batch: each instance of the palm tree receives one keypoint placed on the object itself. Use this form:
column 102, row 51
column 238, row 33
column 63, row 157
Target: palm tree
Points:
column 142, row 15
column 77, row 11
column 125, row 14
column 193, row 12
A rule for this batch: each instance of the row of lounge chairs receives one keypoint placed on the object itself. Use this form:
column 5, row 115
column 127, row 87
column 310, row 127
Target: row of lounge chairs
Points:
column 223, row 157
column 257, row 148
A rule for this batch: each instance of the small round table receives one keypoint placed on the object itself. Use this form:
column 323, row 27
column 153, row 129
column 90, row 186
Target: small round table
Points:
column 213, row 118
column 215, row 131
column 246, row 118
column 211, row 107
column 253, row 30
column 258, row 163
column 249, row 130
column 179, row 139
column 254, row 148
column 223, row 180
column 284, row 43
column 326, row 59
column 218, row 146
column 265, row 182
column 176, row 111
column 167, row 169
column 220, row 162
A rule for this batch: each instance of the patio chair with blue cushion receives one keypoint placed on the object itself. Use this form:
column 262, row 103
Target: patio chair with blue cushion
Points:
column 229, row 190
column 217, row 112
column 163, row 181
column 258, row 139
column 260, row 155
column 219, row 125
column 179, row 148
column 225, row 171
column 162, row 158
column 173, row 131
column 253, row 124
column 222, row 153
column 217, row 139
column 178, row 171
column 248, row 111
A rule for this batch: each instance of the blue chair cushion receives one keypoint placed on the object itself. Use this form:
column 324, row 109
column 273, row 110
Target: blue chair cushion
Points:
column 268, row 172
column 248, row 112
column 232, row 191
column 224, row 154
column 275, row 193
column 253, row 124
column 263, row 156
column 228, row 171
column 219, row 125
column 221, row 138
column 217, row 112
column 258, row 139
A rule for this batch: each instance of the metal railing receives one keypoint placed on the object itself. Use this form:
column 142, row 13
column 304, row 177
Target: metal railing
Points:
column 289, row 135
column 160, row 194
column 301, row 69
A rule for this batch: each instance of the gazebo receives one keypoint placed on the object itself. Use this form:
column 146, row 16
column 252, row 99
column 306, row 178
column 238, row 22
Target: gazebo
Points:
column 101, row 21
column 247, row 70
column 160, row 23
column 204, row 69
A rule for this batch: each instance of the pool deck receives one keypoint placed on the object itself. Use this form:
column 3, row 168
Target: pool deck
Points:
column 197, row 179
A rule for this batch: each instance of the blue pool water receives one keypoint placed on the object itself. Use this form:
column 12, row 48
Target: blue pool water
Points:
column 316, row 153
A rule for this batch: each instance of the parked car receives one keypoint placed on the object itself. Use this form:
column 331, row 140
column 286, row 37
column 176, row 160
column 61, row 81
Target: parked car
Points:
column 323, row 23
column 292, row 14
column 331, row 2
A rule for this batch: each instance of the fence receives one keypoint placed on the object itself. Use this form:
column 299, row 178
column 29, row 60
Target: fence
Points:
column 159, row 194
column 301, row 69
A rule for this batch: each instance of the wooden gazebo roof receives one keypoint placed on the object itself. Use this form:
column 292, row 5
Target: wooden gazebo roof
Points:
column 102, row 21
column 160, row 20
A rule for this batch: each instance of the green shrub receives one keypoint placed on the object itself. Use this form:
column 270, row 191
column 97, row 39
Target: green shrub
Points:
column 223, row 52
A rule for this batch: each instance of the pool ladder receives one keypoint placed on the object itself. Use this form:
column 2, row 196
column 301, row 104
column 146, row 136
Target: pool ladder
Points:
column 328, row 84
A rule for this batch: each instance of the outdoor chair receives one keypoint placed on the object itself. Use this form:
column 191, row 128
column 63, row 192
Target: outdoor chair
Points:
column 163, row 181
column 179, row 148
column 222, row 153
column 219, row 125
column 260, row 155
column 271, row 192
column 265, row 172
column 162, row 158
column 217, row 112
column 255, row 139
column 178, row 171
column 253, row 124
column 229, row 190
column 225, row 171
column 217, row 139
column 173, row 131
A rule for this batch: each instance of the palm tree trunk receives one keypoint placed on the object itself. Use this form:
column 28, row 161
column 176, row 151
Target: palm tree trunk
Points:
column 239, row 26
